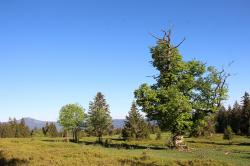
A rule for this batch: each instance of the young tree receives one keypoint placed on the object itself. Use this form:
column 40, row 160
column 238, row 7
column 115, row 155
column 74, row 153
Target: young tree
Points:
column 99, row 119
column 45, row 129
column 71, row 117
column 135, row 127
column 181, row 88
column 228, row 134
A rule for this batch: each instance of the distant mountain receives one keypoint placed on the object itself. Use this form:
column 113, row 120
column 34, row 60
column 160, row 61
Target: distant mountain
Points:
column 33, row 123
column 118, row 123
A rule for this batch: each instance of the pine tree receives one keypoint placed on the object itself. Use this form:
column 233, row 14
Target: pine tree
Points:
column 99, row 119
column 135, row 126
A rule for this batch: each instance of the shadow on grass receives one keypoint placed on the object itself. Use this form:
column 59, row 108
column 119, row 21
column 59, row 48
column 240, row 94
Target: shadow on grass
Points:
column 122, row 145
column 136, row 162
column 112, row 145
column 216, row 143
column 11, row 162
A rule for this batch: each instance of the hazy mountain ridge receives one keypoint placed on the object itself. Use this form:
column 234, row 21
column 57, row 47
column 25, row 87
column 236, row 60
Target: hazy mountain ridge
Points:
column 34, row 123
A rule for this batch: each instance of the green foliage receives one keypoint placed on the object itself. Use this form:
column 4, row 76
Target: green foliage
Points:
column 71, row 118
column 228, row 134
column 184, row 93
column 99, row 120
column 135, row 127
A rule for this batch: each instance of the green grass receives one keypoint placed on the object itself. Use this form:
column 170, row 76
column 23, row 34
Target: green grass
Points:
column 53, row 151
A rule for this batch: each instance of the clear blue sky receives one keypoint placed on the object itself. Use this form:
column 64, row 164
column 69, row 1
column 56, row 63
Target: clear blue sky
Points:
column 58, row 52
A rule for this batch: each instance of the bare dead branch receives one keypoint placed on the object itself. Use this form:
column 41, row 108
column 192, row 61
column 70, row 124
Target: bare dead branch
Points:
column 180, row 42
column 154, row 36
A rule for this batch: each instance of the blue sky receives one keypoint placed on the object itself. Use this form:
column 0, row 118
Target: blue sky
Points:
column 58, row 52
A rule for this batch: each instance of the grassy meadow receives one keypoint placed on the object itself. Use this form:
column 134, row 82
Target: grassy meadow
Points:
column 54, row 151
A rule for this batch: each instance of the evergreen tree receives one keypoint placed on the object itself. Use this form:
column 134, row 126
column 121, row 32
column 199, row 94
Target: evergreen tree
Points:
column 99, row 119
column 135, row 126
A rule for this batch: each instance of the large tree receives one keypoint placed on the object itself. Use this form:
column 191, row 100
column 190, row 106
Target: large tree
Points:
column 135, row 126
column 99, row 119
column 183, row 89
column 71, row 117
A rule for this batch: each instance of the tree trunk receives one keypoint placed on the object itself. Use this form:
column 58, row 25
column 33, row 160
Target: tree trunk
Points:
column 67, row 137
column 75, row 131
column 178, row 142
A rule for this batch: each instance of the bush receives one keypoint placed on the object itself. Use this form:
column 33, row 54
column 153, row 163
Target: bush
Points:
column 158, row 136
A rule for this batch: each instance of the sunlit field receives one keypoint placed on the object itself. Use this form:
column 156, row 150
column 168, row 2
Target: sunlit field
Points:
column 54, row 151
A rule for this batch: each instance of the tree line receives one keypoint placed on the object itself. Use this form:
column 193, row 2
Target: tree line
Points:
column 236, row 117
column 15, row 129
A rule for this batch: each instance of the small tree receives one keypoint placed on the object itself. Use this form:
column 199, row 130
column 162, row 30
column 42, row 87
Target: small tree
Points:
column 45, row 129
column 135, row 126
column 228, row 134
column 71, row 117
column 99, row 119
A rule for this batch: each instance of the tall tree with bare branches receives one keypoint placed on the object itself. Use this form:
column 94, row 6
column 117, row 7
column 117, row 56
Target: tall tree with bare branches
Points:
column 182, row 89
